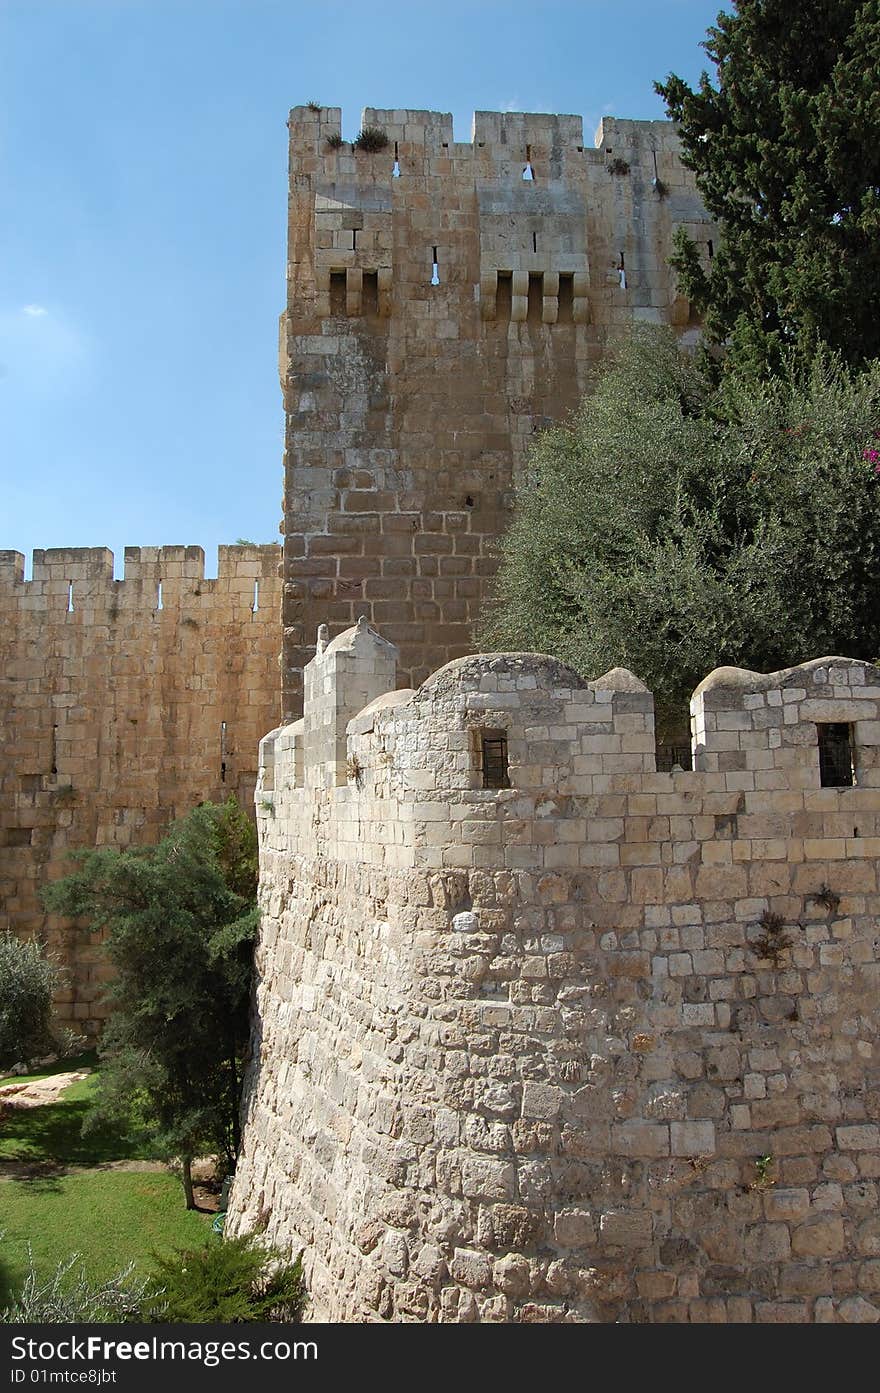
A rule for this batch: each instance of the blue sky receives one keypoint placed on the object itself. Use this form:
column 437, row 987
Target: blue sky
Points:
column 143, row 195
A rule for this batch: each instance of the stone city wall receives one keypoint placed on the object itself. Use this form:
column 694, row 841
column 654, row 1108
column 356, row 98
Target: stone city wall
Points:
column 441, row 308
column 124, row 703
column 597, row 1046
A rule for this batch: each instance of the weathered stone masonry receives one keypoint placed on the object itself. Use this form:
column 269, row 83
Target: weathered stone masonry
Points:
column 436, row 317
column 409, row 410
column 600, row 1045
column 122, row 705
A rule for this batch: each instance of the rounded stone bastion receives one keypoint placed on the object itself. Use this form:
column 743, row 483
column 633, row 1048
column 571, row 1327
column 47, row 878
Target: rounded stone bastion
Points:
column 542, row 1034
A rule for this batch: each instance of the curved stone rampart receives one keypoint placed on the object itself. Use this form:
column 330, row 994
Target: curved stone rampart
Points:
column 596, row 1046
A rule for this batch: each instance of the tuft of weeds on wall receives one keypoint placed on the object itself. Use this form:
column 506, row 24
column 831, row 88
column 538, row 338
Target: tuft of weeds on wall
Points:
column 334, row 140
column 371, row 139
column 64, row 793
column 314, row 106
column 765, row 1176
column 354, row 770
column 827, row 897
column 190, row 622
column 617, row 166
column 773, row 941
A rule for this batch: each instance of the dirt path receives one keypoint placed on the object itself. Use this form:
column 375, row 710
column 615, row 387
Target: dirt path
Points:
column 37, row 1092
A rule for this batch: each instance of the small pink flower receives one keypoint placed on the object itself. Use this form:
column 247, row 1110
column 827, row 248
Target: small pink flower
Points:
column 871, row 455
column 877, row 468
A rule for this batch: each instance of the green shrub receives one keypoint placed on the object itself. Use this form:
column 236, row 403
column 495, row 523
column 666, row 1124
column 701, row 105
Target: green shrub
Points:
column 69, row 1296
column 27, row 981
column 229, row 1282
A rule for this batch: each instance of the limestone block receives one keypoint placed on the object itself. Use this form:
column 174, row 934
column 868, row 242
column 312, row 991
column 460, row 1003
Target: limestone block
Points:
column 855, row 1310
column 625, row 1228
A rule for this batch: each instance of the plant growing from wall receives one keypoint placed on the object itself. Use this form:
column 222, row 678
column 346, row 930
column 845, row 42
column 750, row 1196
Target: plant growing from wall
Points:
column 764, row 1173
column 617, row 166
column 371, row 140
column 334, row 141
column 827, row 897
column 180, row 920
column 773, row 940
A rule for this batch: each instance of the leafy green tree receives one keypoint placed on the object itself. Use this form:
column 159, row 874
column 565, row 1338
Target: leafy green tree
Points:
column 785, row 145
column 27, row 980
column 675, row 526
column 180, row 920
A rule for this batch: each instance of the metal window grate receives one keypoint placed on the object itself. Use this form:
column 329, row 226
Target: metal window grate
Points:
column 667, row 755
column 835, row 755
column 493, row 745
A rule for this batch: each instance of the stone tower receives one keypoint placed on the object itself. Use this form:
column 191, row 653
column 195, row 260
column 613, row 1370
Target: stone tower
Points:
column 444, row 301
column 544, row 1035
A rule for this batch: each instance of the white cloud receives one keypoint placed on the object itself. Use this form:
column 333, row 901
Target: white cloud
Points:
column 42, row 354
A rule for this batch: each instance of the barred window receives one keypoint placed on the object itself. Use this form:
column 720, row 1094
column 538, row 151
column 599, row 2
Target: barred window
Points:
column 835, row 755
column 669, row 754
column 493, row 753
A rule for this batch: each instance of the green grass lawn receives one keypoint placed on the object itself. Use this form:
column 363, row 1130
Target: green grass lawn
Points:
column 110, row 1217
column 54, row 1132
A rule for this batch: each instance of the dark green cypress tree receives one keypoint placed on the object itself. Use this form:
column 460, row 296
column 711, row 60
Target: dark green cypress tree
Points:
column 785, row 144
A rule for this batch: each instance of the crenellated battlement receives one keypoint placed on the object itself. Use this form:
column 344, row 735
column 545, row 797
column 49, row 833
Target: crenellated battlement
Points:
column 501, row 141
column 79, row 574
column 752, row 733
